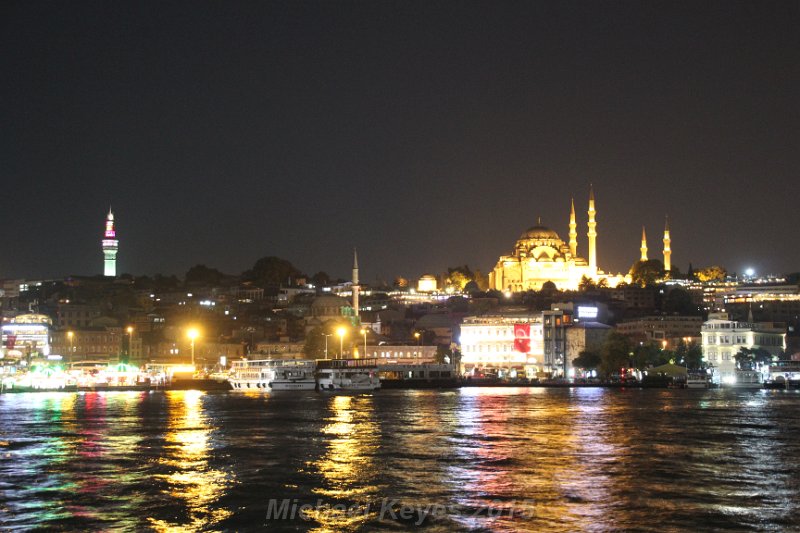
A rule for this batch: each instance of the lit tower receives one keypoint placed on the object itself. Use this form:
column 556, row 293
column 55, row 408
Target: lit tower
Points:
column 110, row 247
column 355, row 282
column 592, row 234
column 573, row 232
column 667, row 250
column 644, row 246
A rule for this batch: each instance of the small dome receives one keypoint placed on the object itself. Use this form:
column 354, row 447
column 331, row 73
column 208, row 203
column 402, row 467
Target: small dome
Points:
column 328, row 301
column 539, row 232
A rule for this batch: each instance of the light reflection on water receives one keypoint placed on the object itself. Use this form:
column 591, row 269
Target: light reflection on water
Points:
column 495, row 459
column 186, row 453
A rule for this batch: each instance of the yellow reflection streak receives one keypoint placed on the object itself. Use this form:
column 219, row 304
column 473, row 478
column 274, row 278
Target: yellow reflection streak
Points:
column 188, row 450
column 348, row 468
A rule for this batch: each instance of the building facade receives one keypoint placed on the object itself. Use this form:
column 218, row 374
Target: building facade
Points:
column 502, row 345
column 723, row 338
column 667, row 330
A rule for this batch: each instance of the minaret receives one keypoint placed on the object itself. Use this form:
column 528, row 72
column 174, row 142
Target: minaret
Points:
column 573, row 233
column 667, row 250
column 592, row 234
column 355, row 282
column 644, row 246
column 110, row 247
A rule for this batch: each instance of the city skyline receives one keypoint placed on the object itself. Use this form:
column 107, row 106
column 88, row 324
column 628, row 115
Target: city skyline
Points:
column 426, row 136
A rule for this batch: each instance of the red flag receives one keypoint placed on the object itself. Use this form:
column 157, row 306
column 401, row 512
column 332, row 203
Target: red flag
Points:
column 11, row 340
column 522, row 338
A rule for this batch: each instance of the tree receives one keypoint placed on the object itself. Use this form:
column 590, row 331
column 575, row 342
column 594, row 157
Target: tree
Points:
column 615, row 353
column 586, row 284
column 644, row 273
column 314, row 347
column 712, row 273
column 752, row 358
column 587, row 360
column 203, row 275
column 321, row 279
column 679, row 301
column 458, row 277
column 272, row 271
column 647, row 355
column 482, row 280
column 693, row 359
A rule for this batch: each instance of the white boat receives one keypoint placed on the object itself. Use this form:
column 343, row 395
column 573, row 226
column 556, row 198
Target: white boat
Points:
column 697, row 381
column 743, row 379
column 344, row 375
column 272, row 375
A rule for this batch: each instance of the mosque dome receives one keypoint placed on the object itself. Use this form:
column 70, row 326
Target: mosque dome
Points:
column 539, row 232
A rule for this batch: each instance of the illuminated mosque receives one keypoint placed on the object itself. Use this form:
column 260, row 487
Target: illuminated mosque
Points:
column 540, row 256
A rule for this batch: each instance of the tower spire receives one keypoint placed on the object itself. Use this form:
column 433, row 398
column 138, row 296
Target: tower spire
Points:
column 573, row 233
column 644, row 246
column 356, row 288
column 592, row 233
column 110, row 246
column 667, row 249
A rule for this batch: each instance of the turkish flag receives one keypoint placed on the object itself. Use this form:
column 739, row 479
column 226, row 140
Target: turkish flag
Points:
column 11, row 341
column 522, row 338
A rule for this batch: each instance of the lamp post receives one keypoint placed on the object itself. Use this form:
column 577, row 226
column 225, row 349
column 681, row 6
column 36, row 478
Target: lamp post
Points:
column 341, row 332
column 129, row 329
column 364, row 332
column 418, row 336
column 192, row 334
column 70, row 336
column 326, row 335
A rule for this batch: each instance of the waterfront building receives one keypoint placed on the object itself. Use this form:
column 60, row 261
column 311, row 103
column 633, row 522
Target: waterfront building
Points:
column 95, row 344
column 540, row 256
column 722, row 338
column 584, row 335
column 26, row 336
column 554, row 332
column 507, row 345
column 401, row 354
column 666, row 330
column 110, row 247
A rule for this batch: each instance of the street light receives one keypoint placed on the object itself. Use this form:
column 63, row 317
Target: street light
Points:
column 341, row 331
column 70, row 336
column 193, row 334
column 418, row 336
column 129, row 329
column 326, row 335
column 364, row 332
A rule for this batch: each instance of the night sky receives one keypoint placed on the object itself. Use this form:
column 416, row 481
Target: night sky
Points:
column 426, row 134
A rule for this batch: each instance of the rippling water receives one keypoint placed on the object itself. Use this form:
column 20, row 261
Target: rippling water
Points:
column 471, row 459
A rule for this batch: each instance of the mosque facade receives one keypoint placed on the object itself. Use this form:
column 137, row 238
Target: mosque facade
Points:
column 540, row 256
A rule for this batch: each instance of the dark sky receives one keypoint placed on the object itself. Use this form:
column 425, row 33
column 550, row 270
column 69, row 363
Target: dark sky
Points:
column 427, row 134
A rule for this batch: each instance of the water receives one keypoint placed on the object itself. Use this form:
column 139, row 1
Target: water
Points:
column 481, row 459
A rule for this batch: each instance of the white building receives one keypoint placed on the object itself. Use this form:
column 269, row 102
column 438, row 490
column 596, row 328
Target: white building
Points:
column 25, row 336
column 723, row 338
column 506, row 345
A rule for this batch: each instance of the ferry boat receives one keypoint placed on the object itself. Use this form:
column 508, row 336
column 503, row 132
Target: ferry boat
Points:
column 272, row 375
column 344, row 375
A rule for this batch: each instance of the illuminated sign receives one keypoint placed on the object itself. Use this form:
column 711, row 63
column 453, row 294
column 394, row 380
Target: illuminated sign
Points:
column 587, row 312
